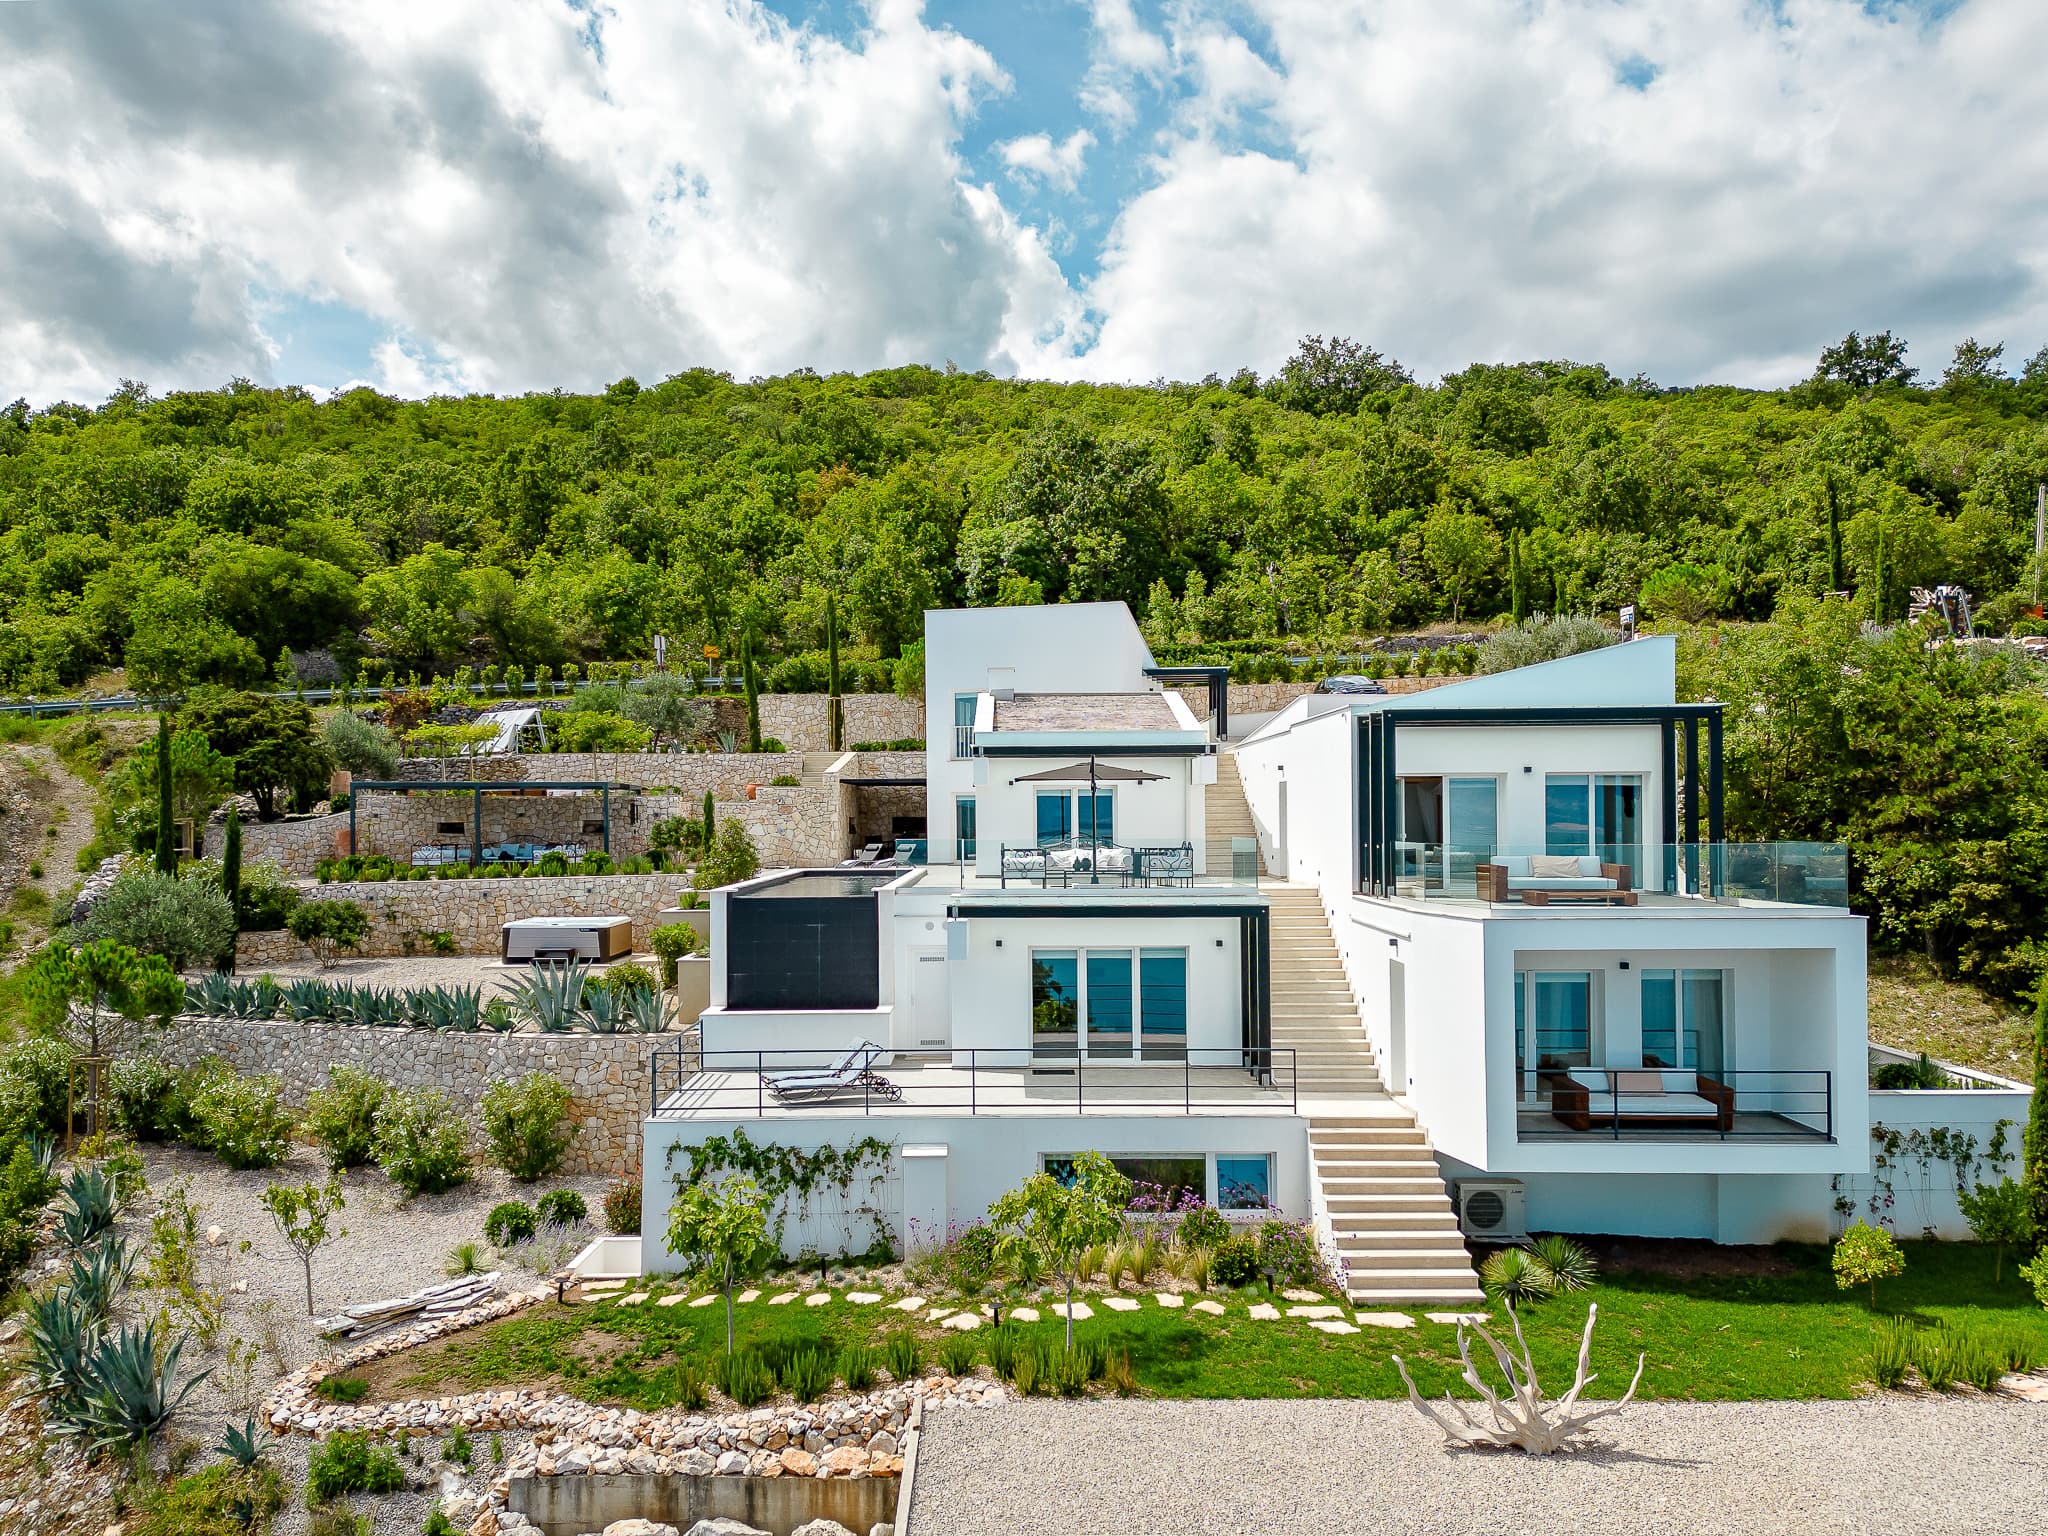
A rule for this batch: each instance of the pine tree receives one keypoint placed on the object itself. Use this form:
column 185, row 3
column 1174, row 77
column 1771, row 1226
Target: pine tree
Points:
column 835, row 723
column 166, row 826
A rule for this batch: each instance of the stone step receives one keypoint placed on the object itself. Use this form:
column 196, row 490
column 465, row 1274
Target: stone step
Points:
column 1372, row 1261
column 1383, row 1184
column 1442, row 1298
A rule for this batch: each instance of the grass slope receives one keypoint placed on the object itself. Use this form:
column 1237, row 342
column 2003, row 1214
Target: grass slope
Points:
column 1913, row 1009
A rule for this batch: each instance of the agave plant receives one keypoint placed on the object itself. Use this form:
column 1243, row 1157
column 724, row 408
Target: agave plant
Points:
column 499, row 1018
column 258, row 999
column 87, row 1208
column 60, row 1345
column 368, row 1005
column 308, row 1001
column 602, row 1011
column 44, row 1150
column 97, row 1278
column 644, row 1012
column 212, row 994
column 130, row 1398
column 551, row 996
column 245, row 1446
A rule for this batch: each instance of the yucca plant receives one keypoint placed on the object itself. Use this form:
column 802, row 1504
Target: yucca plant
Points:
column 1571, row 1267
column 130, row 1397
column 60, row 1344
column 87, row 1207
column 1891, row 1353
column 245, row 1446
column 550, row 996
column 97, row 1277
column 1515, row 1275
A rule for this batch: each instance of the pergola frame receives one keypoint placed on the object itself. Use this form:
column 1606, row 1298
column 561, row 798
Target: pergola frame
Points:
column 476, row 789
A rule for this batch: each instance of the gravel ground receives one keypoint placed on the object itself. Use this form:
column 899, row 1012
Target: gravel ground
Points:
column 1905, row 1466
column 391, row 1248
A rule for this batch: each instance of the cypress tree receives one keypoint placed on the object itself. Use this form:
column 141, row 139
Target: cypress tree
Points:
column 166, row 827
column 710, row 821
column 835, row 720
column 231, row 878
column 752, row 683
column 2036, row 1144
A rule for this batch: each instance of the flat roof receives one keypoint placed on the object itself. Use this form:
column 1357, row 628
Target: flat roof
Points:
column 1085, row 712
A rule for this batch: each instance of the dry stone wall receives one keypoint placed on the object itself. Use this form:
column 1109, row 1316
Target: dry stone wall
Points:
column 725, row 774
column 296, row 846
column 608, row 1075
column 798, row 720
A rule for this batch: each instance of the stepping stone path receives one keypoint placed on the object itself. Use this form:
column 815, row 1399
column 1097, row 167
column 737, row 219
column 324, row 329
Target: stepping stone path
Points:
column 1024, row 1314
column 674, row 1301
column 748, row 1295
column 633, row 1300
column 908, row 1304
column 962, row 1322
column 1386, row 1319
column 817, row 1298
column 1457, row 1317
column 1167, row 1299
column 936, row 1313
column 1299, row 1295
column 1262, row 1312
column 863, row 1298
column 783, row 1300
column 1322, row 1312
column 1119, row 1303
column 1331, row 1325
column 1213, row 1308
column 1080, row 1312
column 592, row 1287
column 705, row 1301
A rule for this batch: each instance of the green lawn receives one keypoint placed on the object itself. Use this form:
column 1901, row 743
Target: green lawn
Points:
column 1714, row 1337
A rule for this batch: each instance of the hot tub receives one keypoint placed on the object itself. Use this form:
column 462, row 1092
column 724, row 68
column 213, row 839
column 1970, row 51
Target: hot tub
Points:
column 560, row 938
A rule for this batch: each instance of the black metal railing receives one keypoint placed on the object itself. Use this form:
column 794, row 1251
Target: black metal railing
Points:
column 1616, row 1102
column 683, row 1080
column 1110, row 864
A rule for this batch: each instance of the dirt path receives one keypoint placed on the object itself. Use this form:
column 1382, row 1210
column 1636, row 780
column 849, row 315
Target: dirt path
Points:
column 48, row 820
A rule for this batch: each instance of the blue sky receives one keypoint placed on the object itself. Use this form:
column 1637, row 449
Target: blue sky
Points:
column 481, row 194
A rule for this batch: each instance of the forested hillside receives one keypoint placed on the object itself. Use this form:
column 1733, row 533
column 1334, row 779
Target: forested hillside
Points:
column 195, row 537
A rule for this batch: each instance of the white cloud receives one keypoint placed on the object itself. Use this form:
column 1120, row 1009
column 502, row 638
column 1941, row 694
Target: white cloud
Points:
column 1036, row 155
column 1451, row 180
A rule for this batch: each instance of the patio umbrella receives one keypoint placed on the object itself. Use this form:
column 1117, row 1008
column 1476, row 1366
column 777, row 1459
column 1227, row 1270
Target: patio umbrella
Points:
column 1094, row 774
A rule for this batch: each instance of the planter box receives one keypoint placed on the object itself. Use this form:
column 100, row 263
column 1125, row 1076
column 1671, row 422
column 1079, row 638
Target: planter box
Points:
column 693, row 987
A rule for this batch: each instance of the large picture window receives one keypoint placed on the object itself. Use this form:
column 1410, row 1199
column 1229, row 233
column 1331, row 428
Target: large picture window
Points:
column 1230, row 1181
column 1068, row 816
column 1110, row 1004
column 1595, row 813
column 1055, row 1002
column 1682, row 1020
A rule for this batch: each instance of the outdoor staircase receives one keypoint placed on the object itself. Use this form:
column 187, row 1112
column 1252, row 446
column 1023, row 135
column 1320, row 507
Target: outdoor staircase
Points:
column 1389, row 1213
column 1226, row 814
column 815, row 764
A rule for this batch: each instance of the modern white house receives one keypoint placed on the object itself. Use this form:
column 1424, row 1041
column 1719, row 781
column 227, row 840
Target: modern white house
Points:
column 1607, row 1018
column 1489, row 944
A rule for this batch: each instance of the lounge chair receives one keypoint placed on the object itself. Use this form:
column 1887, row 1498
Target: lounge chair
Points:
column 867, row 855
column 852, row 1070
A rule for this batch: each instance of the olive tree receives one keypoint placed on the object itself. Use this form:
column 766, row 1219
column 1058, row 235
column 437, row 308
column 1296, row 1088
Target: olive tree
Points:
column 1059, row 1220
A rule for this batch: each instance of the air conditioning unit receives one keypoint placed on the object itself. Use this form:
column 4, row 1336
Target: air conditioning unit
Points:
column 1492, row 1210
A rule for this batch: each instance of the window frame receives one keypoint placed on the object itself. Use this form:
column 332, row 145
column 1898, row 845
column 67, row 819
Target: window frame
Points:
column 1174, row 1043
column 1211, row 1177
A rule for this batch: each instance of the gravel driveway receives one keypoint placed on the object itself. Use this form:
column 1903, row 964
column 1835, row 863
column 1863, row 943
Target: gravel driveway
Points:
column 1903, row 1466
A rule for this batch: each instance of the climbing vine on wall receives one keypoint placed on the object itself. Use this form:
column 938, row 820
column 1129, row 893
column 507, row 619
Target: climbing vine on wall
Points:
column 1893, row 1152
column 854, row 1173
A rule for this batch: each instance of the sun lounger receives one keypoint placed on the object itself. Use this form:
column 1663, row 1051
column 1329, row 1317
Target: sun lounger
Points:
column 852, row 1071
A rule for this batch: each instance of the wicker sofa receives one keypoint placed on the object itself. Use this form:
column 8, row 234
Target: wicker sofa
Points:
column 1587, row 1098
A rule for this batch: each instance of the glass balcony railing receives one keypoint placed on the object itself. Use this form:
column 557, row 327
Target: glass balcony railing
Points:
column 1625, row 875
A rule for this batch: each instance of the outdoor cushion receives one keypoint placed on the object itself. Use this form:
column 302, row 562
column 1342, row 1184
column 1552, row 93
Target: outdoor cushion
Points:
column 1590, row 1077
column 1516, row 865
column 1642, row 1082
column 1557, row 866
column 1547, row 883
column 1671, row 1105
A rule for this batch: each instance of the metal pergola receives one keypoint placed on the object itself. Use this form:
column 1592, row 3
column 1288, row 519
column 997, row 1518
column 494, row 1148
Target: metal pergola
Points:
column 476, row 789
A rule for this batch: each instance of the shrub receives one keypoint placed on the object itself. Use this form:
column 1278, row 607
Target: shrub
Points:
column 1570, row 1266
column 225, row 1499
column 1891, row 1353
column 1288, row 1249
column 622, row 1207
column 670, row 942
column 528, row 1125
column 364, row 748
column 35, row 1079
column 1236, row 1260
column 1516, row 1276
column 856, row 1367
column 559, row 1207
column 147, row 1101
column 904, row 1356
column 2036, row 1275
column 1202, row 1228
column 807, row 1376
column 346, row 1462
column 342, row 1389
column 1865, row 1255
column 509, row 1223
column 784, row 781
column 328, row 926
column 421, row 1144
column 744, row 1377
column 1543, row 639
column 266, row 899
column 242, row 1120
column 153, row 914
column 733, row 859
column 2000, row 1214
column 957, row 1354
column 342, row 1117
column 626, row 977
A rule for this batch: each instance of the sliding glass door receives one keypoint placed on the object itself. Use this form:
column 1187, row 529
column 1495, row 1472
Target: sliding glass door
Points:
column 1084, row 1003
column 1449, row 827
column 1683, row 1020
column 1553, row 1026
column 1110, row 1019
column 1596, row 813
column 1055, row 1002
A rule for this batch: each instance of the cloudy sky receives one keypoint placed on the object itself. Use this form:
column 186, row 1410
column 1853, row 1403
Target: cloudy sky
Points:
column 503, row 195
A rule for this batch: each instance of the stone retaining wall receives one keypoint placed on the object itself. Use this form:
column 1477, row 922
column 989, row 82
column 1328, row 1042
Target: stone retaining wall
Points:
column 607, row 1075
column 725, row 774
column 798, row 720
column 473, row 911
column 295, row 846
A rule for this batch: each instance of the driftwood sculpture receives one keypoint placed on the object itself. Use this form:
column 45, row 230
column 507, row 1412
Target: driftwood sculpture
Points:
column 1522, row 1421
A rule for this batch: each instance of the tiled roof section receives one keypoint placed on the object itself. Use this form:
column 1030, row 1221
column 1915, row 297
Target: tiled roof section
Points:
column 1085, row 712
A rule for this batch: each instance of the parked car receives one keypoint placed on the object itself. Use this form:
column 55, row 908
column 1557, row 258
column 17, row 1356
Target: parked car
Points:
column 1349, row 683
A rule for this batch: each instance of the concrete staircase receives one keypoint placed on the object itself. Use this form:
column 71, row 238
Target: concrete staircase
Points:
column 1389, row 1213
column 1226, row 815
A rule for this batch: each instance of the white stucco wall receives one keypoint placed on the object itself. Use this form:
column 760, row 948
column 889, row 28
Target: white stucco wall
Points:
column 981, row 1157
column 1156, row 814
column 1924, row 1198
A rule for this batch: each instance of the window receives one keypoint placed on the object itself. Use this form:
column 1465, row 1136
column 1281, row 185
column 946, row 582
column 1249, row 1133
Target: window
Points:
column 449, row 828
column 1553, row 1025
column 1055, row 1002
column 1682, row 1020
column 1109, row 1003
column 1451, row 826
column 1066, row 816
column 1083, row 1003
column 1597, row 813
column 1163, row 1003
column 963, row 724
column 963, row 826
column 1230, row 1181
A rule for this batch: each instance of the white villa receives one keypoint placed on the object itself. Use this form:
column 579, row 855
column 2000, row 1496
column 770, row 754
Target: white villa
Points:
column 1391, row 963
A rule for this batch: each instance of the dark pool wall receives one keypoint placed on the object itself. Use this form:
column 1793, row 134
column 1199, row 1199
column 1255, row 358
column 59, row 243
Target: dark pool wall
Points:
column 803, row 952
